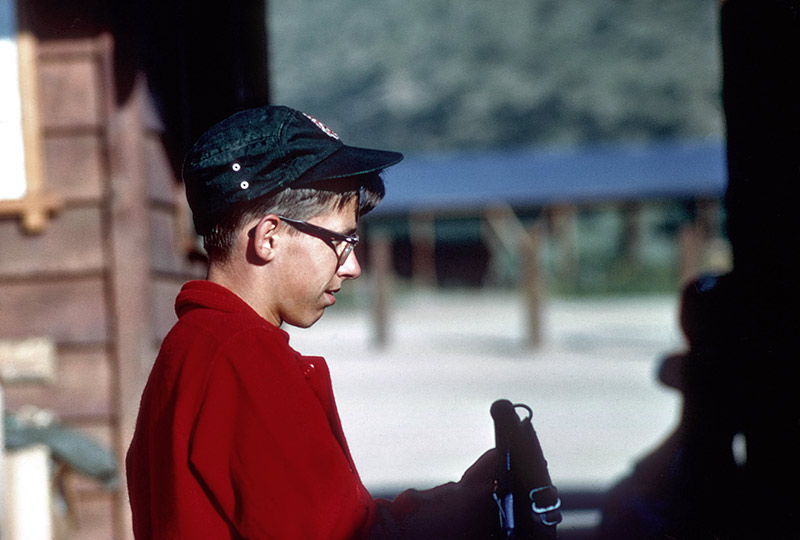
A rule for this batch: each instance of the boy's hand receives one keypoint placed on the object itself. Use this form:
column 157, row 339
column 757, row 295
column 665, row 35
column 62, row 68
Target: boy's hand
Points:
column 482, row 472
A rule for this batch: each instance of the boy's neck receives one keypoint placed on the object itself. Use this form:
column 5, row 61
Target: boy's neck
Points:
column 243, row 283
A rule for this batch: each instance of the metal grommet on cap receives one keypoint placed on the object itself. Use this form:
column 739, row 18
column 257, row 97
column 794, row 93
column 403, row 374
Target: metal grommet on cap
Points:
column 236, row 166
column 245, row 184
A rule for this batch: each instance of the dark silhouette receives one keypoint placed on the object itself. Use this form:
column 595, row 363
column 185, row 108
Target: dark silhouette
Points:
column 729, row 469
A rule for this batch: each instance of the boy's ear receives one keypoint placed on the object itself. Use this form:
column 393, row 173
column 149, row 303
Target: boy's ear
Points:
column 263, row 238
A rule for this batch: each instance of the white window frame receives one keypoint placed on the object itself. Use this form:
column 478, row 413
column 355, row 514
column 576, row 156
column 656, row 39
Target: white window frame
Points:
column 13, row 184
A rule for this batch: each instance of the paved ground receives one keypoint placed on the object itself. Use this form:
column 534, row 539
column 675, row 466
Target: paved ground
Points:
column 416, row 413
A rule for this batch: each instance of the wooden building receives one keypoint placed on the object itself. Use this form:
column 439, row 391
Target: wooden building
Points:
column 95, row 250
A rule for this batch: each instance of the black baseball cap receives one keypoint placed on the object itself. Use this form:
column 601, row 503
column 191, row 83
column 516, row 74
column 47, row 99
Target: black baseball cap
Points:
column 259, row 151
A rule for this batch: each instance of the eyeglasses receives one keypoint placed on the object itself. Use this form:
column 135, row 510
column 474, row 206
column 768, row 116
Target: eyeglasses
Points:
column 332, row 238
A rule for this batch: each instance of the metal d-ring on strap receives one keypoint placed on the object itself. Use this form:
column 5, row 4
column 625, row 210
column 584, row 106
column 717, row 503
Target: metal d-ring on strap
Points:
column 543, row 511
column 523, row 406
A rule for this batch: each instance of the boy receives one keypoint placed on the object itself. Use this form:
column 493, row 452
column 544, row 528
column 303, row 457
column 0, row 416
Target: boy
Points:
column 238, row 435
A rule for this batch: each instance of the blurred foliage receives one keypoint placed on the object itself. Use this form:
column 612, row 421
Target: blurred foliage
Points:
column 435, row 75
column 427, row 75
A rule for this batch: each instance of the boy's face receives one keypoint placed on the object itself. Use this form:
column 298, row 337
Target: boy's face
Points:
column 310, row 273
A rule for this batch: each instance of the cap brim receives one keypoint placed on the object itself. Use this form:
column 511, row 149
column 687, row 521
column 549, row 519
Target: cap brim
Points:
column 350, row 161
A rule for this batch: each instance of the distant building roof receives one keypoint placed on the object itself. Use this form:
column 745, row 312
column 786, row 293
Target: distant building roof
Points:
column 529, row 178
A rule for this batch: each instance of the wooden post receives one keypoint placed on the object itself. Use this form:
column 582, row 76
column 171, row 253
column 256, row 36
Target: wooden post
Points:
column 381, row 268
column 423, row 249
column 505, row 226
column 499, row 259
column 130, row 283
column 25, row 478
column 30, row 506
column 4, row 533
column 532, row 283
column 564, row 220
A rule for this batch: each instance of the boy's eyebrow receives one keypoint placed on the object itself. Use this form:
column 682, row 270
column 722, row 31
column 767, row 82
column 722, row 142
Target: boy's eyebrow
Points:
column 352, row 230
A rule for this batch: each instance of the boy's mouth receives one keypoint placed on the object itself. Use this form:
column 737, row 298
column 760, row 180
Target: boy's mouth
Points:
column 330, row 294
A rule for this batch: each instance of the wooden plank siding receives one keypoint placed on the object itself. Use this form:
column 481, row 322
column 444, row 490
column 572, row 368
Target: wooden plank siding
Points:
column 73, row 162
column 101, row 276
column 74, row 399
column 56, row 284
column 67, row 309
column 55, row 251
column 101, row 279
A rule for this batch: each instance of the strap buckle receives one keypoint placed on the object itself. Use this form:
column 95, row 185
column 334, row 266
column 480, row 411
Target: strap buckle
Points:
column 546, row 493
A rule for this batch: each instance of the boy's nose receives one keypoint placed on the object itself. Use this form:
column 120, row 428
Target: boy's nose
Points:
column 350, row 269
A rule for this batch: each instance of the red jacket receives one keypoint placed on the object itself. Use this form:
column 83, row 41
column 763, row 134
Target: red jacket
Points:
column 238, row 436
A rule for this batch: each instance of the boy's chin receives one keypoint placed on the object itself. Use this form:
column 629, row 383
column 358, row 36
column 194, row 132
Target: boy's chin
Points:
column 305, row 322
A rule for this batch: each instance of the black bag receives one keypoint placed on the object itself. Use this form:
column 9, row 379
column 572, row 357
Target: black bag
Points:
column 528, row 502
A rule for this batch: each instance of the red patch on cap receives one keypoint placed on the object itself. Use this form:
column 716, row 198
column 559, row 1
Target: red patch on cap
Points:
column 325, row 129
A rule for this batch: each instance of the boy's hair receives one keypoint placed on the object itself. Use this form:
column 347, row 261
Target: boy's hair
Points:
column 297, row 203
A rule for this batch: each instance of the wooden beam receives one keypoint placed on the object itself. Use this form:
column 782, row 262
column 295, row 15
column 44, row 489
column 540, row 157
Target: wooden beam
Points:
column 34, row 209
column 422, row 231
column 130, row 284
column 29, row 486
column 507, row 228
column 533, row 283
column 381, row 268
column 4, row 532
column 563, row 220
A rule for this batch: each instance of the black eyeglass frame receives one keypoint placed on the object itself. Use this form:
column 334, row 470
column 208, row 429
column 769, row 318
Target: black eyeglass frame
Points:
column 326, row 235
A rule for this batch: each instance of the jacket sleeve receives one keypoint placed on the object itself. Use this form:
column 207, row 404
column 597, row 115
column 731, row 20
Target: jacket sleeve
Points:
column 264, row 452
column 463, row 510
